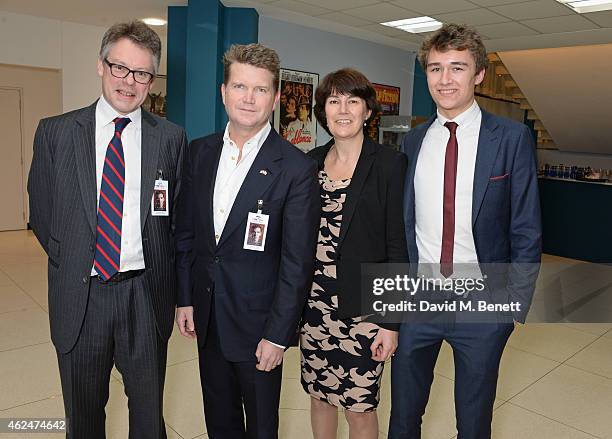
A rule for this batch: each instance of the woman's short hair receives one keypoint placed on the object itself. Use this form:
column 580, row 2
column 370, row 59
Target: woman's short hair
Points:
column 346, row 81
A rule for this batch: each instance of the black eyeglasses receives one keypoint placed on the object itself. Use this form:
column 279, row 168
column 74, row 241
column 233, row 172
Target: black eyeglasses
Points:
column 119, row 71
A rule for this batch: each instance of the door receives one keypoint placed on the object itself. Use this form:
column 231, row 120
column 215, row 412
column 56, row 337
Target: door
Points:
column 12, row 208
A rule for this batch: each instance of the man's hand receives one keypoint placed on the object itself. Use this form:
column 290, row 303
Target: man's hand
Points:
column 384, row 344
column 268, row 356
column 184, row 321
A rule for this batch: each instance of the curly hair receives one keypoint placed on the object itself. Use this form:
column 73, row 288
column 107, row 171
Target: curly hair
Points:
column 455, row 37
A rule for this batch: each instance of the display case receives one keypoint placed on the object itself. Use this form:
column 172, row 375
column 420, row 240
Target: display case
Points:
column 392, row 129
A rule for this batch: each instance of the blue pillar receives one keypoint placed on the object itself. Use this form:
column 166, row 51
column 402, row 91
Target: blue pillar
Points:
column 176, row 64
column 422, row 103
column 209, row 28
column 241, row 26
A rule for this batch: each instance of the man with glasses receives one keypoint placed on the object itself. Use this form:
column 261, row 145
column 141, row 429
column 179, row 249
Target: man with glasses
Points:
column 112, row 282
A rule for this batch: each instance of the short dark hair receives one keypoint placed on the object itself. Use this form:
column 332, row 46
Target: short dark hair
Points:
column 138, row 33
column 453, row 36
column 255, row 55
column 346, row 81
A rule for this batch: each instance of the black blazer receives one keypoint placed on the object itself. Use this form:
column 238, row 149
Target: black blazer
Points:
column 256, row 294
column 372, row 227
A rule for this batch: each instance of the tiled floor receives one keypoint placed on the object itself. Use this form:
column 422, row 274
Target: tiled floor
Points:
column 555, row 379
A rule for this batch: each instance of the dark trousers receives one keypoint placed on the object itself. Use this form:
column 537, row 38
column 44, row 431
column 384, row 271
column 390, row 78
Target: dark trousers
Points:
column 119, row 328
column 227, row 385
column 477, row 350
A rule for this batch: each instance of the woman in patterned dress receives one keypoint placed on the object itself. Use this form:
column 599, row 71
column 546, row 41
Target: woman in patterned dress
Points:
column 342, row 351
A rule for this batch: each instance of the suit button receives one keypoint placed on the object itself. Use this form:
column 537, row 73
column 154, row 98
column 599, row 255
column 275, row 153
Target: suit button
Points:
column 208, row 289
column 217, row 259
column 85, row 280
column 91, row 247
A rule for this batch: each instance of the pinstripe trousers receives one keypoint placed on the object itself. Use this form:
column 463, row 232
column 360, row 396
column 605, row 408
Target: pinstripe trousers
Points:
column 119, row 328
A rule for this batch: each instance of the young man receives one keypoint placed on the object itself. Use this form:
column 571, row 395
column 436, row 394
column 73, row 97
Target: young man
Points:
column 245, row 300
column 112, row 281
column 472, row 198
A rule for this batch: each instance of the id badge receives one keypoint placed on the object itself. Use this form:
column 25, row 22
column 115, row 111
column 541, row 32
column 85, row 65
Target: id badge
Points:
column 256, row 230
column 160, row 205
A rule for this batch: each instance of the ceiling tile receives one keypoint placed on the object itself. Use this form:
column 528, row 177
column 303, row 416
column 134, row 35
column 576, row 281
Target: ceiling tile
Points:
column 505, row 30
column 567, row 23
column 475, row 17
column 338, row 5
column 381, row 12
column 428, row 7
column 413, row 38
column 349, row 20
column 603, row 18
column 298, row 6
column 533, row 9
column 383, row 30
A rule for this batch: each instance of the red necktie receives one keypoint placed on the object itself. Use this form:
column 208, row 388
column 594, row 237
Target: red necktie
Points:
column 110, row 207
column 448, row 206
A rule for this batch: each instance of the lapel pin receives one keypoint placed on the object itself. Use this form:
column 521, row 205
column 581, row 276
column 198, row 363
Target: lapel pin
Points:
column 263, row 172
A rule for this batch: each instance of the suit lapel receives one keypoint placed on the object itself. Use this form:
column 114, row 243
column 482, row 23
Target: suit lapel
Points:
column 255, row 184
column 488, row 146
column 209, row 165
column 85, row 152
column 362, row 169
column 150, row 144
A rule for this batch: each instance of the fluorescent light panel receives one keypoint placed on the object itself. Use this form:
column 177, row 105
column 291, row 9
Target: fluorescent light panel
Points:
column 584, row 6
column 415, row 25
column 155, row 21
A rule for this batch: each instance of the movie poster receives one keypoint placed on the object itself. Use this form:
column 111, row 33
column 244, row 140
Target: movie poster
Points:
column 294, row 119
column 388, row 98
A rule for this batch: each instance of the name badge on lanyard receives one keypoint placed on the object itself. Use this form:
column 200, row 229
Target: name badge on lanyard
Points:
column 256, row 229
column 160, row 204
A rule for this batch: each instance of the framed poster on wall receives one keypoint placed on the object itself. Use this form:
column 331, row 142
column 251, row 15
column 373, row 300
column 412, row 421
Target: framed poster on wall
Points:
column 156, row 100
column 388, row 98
column 294, row 119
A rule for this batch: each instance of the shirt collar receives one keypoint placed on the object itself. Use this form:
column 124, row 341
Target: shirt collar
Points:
column 465, row 118
column 254, row 142
column 105, row 114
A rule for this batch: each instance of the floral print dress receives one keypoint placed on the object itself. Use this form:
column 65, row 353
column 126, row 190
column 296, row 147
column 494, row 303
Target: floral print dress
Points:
column 335, row 354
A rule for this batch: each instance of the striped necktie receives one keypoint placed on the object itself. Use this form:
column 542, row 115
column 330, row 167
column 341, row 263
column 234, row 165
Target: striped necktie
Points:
column 110, row 206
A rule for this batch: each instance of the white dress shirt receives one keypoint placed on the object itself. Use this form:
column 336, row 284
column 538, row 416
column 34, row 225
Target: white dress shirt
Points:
column 231, row 174
column 131, row 236
column 429, row 187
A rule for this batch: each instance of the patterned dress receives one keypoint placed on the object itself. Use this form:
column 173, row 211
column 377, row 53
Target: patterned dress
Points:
column 335, row 354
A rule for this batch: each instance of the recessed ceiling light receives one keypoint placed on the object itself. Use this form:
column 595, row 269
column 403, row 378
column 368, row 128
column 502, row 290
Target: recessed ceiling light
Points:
column 584, row 6
column 415, row 25
column 155, row 21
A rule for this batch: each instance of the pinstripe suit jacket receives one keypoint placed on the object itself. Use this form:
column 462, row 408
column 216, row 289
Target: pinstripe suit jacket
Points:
column 63, row 215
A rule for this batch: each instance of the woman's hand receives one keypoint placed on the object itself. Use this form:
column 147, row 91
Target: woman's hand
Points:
column 384, row 344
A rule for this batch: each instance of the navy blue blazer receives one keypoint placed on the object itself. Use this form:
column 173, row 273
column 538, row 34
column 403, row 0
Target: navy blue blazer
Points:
column 506, row 222
column 256, row 294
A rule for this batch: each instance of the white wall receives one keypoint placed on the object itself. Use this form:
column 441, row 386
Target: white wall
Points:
column 315, row 51
column 70, row 47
